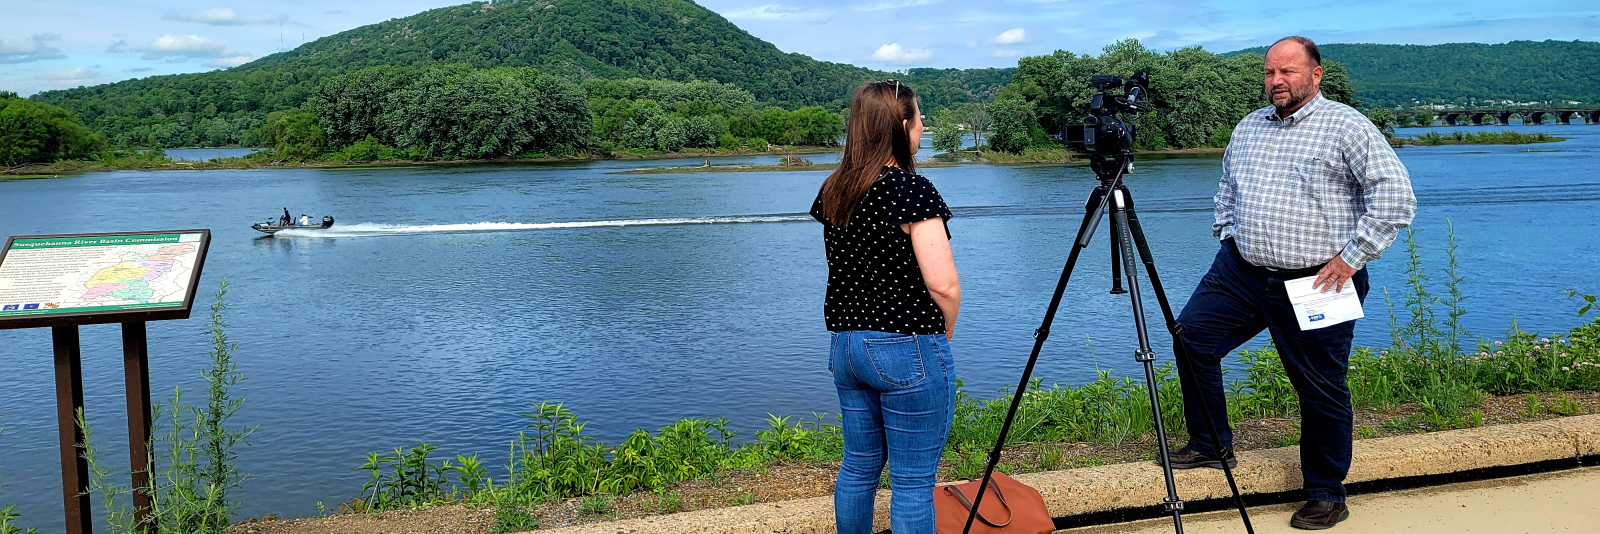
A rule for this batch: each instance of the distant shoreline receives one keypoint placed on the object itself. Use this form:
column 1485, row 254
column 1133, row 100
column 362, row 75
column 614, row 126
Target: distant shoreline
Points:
column 1054, row 156
column 75, row 167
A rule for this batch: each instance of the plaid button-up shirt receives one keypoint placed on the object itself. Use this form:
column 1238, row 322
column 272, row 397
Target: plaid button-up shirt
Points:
column 1298, row 190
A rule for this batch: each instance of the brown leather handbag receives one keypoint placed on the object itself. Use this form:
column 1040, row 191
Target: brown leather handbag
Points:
column 1009, row 507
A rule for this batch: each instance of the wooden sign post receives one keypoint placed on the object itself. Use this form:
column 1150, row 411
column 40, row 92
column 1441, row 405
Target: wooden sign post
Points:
column 66, row 281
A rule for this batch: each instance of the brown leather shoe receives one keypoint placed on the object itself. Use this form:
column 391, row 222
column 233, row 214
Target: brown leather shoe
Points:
column 1187, row 458
column 1318, row 515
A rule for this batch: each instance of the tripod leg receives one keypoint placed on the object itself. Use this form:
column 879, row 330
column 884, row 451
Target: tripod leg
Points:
column 1094, row 211
column 1116, row 259
column 1145, row 355
column 1136, row 230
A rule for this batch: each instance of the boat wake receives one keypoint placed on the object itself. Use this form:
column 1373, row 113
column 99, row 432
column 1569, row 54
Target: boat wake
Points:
column 374, row 229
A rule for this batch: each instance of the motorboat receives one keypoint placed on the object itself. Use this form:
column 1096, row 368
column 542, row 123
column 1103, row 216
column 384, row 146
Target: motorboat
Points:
column 272, row 227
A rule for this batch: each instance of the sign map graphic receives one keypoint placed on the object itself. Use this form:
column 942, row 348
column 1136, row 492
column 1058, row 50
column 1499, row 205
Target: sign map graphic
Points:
column 55, row 275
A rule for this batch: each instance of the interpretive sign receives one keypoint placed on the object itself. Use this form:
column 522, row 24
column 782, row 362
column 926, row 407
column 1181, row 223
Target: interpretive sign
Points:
column 65, row 281
column 99, row 278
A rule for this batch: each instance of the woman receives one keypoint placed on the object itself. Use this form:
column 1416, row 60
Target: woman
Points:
column 891, row 306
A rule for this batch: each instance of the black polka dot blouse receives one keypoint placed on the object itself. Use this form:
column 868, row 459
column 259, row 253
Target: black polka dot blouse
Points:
column 874, row 282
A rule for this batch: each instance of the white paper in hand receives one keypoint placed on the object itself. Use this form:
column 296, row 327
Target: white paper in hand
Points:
column 1316, row 309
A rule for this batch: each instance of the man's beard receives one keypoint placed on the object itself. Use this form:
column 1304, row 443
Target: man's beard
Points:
column 1297, row 96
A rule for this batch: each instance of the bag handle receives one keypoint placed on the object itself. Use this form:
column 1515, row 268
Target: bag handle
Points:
column 962, row 497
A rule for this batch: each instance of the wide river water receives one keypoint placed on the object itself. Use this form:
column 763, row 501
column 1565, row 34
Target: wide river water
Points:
column 447, row 298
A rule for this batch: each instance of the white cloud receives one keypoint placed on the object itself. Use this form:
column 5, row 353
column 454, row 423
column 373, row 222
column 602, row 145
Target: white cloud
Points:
column 184, row 46
column 773, row 12
column 1007, row 53
column 70, row 78
column 895, row 4
column 1011, row 36
column 894, row 53
column 32, row 49
column 180, row 48
column 118, row 47
column 223, row 16
column 228, row 62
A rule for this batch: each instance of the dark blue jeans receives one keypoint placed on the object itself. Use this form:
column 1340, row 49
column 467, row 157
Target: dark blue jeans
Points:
column 1234, row 302
column 897, row 394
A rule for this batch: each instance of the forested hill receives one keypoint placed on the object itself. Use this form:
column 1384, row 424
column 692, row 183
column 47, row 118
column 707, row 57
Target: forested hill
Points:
column 1458, row 73
column 577, row 39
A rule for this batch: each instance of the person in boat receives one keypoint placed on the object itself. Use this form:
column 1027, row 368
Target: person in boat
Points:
column 304, row 220
column 284, row 221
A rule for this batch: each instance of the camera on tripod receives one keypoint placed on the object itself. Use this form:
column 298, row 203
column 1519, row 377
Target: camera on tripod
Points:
column 1104, row 133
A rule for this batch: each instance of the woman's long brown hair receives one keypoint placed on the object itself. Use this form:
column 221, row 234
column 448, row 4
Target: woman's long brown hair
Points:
column 879, row 115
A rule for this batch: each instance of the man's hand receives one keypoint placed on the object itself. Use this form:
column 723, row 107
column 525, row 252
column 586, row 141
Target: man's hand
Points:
column 1334, row 275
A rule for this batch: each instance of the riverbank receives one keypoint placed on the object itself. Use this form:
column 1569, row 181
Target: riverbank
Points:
column 130, row 161
column 1479, row 138
column 790, row 482
column 946, row 159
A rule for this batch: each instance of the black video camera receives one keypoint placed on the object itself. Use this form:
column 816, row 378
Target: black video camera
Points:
column 1103, row 133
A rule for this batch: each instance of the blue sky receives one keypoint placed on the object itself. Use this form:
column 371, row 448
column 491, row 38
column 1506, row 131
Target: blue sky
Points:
column 65, row 43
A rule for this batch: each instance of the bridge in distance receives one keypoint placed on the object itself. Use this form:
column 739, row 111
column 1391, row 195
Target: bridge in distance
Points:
column 1502, row 117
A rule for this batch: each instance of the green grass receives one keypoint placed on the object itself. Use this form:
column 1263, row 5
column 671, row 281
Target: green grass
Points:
column 1504, row 137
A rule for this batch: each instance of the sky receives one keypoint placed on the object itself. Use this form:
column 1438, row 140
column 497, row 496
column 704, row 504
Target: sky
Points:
column 60, row 44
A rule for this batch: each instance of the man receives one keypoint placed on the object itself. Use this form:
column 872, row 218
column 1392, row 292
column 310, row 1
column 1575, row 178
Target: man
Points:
column 284, row 221
column 1309, row 188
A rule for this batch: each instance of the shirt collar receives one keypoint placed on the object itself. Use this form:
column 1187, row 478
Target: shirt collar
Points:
column 1298, row 116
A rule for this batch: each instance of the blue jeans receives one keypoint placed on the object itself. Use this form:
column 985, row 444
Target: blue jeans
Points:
column 1237, row 300
column 897, row 394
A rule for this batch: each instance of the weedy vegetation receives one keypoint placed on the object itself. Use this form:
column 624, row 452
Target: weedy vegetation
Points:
column 193, row 462
column 1506, row 137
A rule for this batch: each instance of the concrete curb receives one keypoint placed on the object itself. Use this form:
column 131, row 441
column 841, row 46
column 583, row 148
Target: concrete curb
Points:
column 1098, row 489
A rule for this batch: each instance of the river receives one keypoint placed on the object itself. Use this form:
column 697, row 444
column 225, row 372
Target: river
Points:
column 446, row 298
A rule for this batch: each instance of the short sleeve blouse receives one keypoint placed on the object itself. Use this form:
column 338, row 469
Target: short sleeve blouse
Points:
column 874, row 282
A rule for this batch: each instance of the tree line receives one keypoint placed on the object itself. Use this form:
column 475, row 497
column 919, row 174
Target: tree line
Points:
column 460, row 112
column 35, row 132
column 1470, row 74
column 1197, row 97
column 673, row 40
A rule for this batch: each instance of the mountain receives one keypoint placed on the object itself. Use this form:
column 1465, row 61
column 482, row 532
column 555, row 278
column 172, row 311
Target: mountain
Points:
column 578, row 39
column 1461, row 73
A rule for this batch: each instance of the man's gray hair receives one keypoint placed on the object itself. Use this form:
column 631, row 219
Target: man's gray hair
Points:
column 1311, row 48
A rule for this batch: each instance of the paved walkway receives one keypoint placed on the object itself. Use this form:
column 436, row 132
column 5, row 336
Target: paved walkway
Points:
column 1560, row 502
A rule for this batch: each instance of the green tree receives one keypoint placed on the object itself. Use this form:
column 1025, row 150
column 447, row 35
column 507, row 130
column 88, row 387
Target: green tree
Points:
column 458, row 112
column 946, row 138
column 34, row 132
column 978, row 120
column 1013, row 119
column 1424, row 117
column 294, row 133
column 349, row 106
column 1385, row 119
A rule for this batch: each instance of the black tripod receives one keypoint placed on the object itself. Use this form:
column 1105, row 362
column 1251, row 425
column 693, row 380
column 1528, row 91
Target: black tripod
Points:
column 1127, row 237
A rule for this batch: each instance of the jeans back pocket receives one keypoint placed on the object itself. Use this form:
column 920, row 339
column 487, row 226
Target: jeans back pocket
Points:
column 898, row 360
